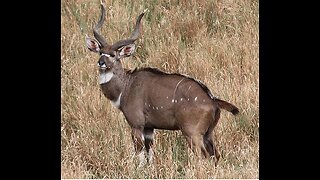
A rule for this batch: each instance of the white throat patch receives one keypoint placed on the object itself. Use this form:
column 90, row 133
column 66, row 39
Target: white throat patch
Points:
column 117, row 102
column 105, row 77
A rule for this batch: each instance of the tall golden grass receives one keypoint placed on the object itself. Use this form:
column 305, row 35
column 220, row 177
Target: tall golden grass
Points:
column 216, row 42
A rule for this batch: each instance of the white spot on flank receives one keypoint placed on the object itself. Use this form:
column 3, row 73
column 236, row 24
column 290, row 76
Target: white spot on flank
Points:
column 172, row 101
column 152, row 107
column 195, row 99
column 188, row 99
column 181, row 99
column 167, row 97
column 161, row 107
column 149, row 105
column 175, row 101
column 117, row 102
column 145, row 104
column 105, row 77
column 157, row 108
column 204, row 100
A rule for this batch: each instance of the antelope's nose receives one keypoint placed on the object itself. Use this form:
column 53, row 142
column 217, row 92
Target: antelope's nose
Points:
column 101, row 63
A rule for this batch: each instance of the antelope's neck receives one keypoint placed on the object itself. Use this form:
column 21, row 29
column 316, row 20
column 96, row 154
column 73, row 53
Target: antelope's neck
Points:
column 112, row 85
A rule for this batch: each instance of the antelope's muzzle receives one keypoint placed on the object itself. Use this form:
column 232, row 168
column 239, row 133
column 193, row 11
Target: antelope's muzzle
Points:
column 101, row 64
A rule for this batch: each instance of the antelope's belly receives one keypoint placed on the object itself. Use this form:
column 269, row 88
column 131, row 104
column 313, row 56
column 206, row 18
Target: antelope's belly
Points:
column 161, row 120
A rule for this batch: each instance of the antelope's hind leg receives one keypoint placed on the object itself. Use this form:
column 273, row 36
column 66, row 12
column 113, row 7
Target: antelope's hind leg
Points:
column 210, row 147
column 208, row 138
column 196, row 144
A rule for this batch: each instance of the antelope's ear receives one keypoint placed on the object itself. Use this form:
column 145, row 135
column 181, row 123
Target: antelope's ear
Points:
column 92, row 44
column 127, row 50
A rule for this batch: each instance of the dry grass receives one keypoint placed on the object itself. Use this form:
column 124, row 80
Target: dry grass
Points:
column 216, row 42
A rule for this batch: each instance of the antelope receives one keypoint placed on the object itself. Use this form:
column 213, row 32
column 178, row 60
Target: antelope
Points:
column 152, row 99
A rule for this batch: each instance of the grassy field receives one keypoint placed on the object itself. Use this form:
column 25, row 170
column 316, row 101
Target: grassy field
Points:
column 216, row 42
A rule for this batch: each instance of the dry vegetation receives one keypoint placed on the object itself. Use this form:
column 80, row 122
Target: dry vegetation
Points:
column 216, row 42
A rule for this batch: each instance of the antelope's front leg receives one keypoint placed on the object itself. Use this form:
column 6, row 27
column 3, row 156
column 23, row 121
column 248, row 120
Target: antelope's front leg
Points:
column 148, row 142
column 138, row 141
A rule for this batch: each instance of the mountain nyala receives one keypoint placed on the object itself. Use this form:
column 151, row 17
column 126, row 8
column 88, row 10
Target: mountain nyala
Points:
column 152, row 99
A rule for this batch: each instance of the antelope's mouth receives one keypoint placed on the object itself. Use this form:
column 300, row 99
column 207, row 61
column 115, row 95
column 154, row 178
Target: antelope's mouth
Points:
column 102, row 66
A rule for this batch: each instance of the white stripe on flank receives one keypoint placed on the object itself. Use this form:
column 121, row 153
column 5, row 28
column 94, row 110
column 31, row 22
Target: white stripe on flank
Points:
column 117, row 102
column 105, row 77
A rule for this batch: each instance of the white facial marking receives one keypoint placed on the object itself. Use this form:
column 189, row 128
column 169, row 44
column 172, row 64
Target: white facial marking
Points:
column 157, row 108
column 152, row 107
column 141, row 159
column 149, row 105
column 195, row 99
column 181, row 99
column 167, row 97
column 145, row 104
column 172, row 101
column 105, row 77
column 105, row 55
column 142, row 137
column 188, row 99
column 204, row 100
column 161, row 107
column 117, row 102
column 175, row 101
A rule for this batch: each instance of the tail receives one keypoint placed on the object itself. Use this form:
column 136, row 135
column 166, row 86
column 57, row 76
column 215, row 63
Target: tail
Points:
column 227, row 106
